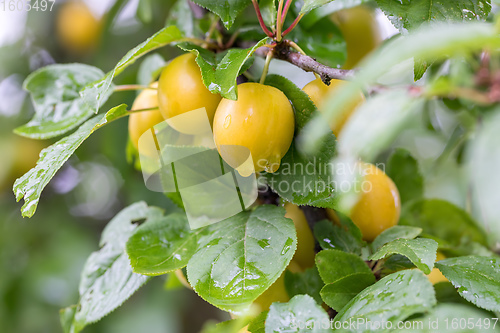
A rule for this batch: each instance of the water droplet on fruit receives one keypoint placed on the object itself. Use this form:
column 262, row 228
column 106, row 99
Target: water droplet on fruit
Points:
column 227, row 121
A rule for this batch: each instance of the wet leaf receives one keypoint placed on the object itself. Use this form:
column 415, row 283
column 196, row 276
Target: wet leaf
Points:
column 227, row 10
column 396, row 232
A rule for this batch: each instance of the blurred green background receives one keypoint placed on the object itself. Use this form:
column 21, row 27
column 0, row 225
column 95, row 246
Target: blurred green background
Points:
column 41, row 258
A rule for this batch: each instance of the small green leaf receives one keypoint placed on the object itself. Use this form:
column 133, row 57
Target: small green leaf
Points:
column 162, row 245
column 95, row 93
column 242, row 256
column 150, row 68
column 312, row 4
column 394, row 298
column 227, row 10
column 258, row 324
column 477, row 279
column 326, row 10
column 107, row 278
column 337, row 294
column 443, row 221
column 421, row 252
column 420, row 67
column 269, row 12
column 308, row 282
column 396, row 232
column 52, row 158
column 145, row 11
column 219, row 76
column 300, row 314
column 58, row 106
column 409, row 15
column 403, row 169
column 303, row 180
column 346, row 236
column 181, row 16
column 333, row 265
column 484, row 157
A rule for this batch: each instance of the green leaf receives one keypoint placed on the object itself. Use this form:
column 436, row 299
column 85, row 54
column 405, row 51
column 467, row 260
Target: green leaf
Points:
column 333, row 265
column 396, row 232
column 242, row 256
column 484, row 157
column 421, row 252
column 300, row 314
column 408, row 15
column 145, row 11
column 443, row 221
column 269, row 12
column 326, row 10
column 150, row 68
column 52, row 158
column 227, row 10
column 346, row 236
column 162, row 245
column 394, row 298
column 58, row 106
column 258, row 324
column 337, row 294
column 220, row 76
column 477, row 279
column 107, row 278
column 420, row 67
column 312, row 4
column 429, row 43
column 181, row 16
column 95, row 93
column 403, row 169
column 301, row 179
column 453, row 318
column 396, row 263
column 308, row 282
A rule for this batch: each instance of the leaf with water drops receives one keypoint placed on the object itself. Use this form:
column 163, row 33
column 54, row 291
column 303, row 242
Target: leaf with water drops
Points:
column 396, row 232
column 227, row 10
column 242, row 256
column 335, row 264
column 344, row 236
column 394, row 298
column 408, row 15
column 107, row 278
column 300, row 314
column 404, row 170
column 55, row 94
column 337, row 294
column 52, row 158
column 163, row 245
column 477, row 279
column 94, row 93
column 307, row 282
column 421, row 251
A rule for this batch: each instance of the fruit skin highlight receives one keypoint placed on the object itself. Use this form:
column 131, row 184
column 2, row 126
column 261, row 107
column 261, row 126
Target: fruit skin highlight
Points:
column 262, row 120
column 180, row 90
column 305, row 253
column 77, row 28
column 318, row 92
column 140, row 122
column 361, row 32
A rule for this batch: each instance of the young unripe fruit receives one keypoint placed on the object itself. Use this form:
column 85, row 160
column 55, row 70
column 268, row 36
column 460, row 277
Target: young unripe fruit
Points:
column 379, row 205
column 305, row 254
column 77, row 28
column 181, row 90
column 436, row 276
column 261, row 120
column 140, row 122
column 361, row 32
column 318, row 92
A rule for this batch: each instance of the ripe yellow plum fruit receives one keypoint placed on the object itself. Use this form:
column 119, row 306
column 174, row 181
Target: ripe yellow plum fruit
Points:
column 262, row 120
column 379, row 204
column 77, row 28
column 318, row 92
column 305, row 254
column 361, row 32
column 181, row 90
column 436, row 276
column 140, row 122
